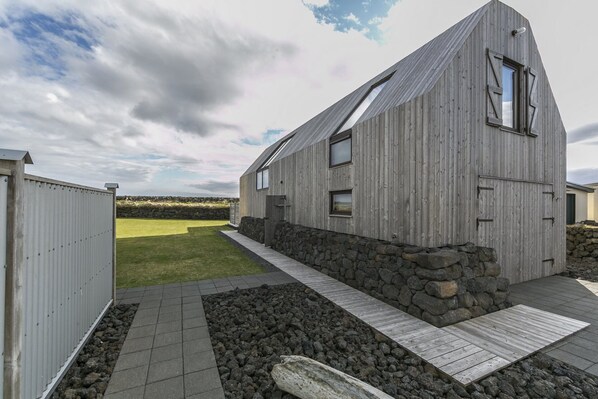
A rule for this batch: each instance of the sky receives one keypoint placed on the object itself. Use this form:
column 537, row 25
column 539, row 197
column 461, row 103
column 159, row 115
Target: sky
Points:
column 179, row 97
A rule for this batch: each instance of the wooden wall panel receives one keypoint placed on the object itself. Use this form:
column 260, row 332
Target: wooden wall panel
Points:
column 416, row 167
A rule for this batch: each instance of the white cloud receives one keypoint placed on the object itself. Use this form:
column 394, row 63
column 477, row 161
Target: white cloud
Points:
column 352, row 17
column 171, row 89
column 317, row 3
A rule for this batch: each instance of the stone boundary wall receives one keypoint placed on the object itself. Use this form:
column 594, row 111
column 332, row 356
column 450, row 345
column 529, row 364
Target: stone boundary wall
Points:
column 172, row 212
column 442, row 286
column 253, row 228
column 582, row 242
column 175, row 199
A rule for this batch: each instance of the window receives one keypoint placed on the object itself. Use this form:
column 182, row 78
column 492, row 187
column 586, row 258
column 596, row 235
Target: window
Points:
column 340, row 149
column 262, row 175
column 510, row 95
column 341, row 203
column 341, row 141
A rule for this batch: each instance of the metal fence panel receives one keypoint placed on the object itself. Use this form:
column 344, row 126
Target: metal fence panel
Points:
column 68, row 276
column 3, row 221
column 235, row 217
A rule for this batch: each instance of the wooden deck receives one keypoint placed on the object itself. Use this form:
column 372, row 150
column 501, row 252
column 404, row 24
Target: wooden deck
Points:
column 466, row 351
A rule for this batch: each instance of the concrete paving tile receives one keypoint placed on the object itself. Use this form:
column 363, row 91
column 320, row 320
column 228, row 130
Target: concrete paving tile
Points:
column 202, row 381
column 570, row 358
column 170, row 308
column 140, row 332
column 131, row 360
column 194, row 322
column 149, row 304
column 167, row 389
column 199, row 361
column 165, row 370
column 167, row 352
column 172, row 316
column 192, row 299
column 194, row 313
column 213, row 394
column 144, row 321
column 225, row 289
column 584, row 353
column 220, row 282
column 130, row 301
column 169, row 338
column 192, row 334
column 169, row 326
column 171, row 302
column 197, row 346
column 593, row 370
column 133, row 393
column 126, row 379
column 146, row 313
column 209, row 291
column 137, row 344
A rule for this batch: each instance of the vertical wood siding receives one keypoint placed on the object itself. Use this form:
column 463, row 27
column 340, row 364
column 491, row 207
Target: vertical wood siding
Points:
column 416, row 167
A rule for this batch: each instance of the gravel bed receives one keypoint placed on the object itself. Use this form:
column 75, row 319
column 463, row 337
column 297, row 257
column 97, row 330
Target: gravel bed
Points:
column 582, row 269
column 89, row 374
column 250, row 329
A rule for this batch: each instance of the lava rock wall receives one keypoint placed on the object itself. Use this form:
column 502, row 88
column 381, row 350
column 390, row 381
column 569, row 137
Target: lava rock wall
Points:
column 442, row 286
column 253, row 228
column 582, row 242
column 172, row 212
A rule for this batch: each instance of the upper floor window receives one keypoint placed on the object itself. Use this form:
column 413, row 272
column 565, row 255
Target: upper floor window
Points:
column 263, row 175
column 340, row 149
column 510, row 95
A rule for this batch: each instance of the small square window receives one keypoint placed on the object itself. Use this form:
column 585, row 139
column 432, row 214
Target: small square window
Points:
column 341, row 203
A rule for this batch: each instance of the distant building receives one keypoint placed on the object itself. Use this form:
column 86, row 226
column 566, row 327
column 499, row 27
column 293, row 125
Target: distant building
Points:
column 582, row 202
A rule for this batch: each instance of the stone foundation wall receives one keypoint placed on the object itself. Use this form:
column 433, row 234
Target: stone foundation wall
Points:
column 582, row 242
column 253, row 228
column 172, row 212
column 442, row 286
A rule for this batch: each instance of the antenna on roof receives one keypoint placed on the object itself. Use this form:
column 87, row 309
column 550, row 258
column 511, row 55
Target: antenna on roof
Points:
column 518, row 31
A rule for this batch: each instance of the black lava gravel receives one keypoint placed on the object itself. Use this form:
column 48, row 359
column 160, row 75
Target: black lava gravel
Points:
column 250, row 329
column 582, row 269
column 89, row 374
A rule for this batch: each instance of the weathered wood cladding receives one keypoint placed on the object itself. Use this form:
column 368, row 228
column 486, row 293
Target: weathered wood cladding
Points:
column 416, row 167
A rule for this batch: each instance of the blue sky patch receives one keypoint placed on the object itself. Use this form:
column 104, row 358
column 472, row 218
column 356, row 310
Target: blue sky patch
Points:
column 268, row 137
column 48, row 38
column 361, row 15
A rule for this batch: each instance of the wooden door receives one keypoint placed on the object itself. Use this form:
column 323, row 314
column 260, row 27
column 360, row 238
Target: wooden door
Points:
column 275, row 208
column 516, row 218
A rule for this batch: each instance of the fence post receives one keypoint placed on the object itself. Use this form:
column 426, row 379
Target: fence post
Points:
column 13, row 165
column 112, row 188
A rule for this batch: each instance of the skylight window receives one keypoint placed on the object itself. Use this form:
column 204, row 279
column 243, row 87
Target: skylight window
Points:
column 263, row 176
column 365, row 103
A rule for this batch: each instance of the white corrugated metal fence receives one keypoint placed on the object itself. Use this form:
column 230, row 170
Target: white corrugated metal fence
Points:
column 68, row 243
column 235, row 216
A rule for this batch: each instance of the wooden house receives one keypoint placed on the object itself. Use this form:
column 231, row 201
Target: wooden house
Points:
column 461, row 141
column 580, row 203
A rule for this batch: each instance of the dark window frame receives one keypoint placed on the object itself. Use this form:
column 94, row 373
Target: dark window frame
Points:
column 518, row 97
column 331, row 210
column 257, row 174
column 337, row 138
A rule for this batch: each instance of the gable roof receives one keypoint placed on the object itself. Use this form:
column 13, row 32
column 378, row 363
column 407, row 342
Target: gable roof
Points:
column 411, row 77
column 15, row 155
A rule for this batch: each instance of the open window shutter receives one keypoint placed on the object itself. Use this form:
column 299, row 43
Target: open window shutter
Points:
column 532, row 102
column 494, row 89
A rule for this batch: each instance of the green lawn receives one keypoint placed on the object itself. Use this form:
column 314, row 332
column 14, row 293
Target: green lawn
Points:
column 151, row 251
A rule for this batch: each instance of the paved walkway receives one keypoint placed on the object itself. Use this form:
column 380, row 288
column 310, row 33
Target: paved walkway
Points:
column 571, row 298
column 168, row 352
column 466, row 351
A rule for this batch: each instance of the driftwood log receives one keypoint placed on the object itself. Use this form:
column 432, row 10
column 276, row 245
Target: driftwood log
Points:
column 308, row 379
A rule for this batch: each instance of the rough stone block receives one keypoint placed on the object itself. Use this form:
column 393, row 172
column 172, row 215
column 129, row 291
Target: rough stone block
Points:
column 491, row 269
column 386, row 275
column 442, row 289
column 448, row 318
column 435, row 260
column 450, row 273
column 483, row 299
column 432, row 305
column 390, row 291
column 405, row 296
column 502, row 284
column 481, row 284
column 466, row 300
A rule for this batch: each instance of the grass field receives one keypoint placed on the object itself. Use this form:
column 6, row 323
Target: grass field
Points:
column 151, row 251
